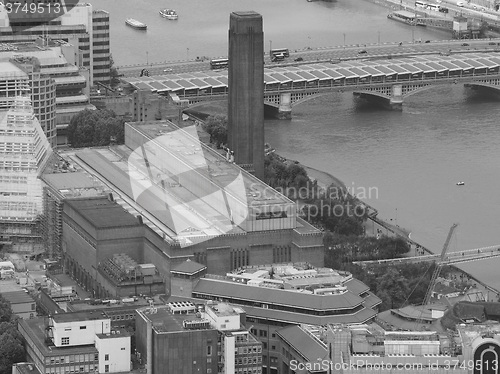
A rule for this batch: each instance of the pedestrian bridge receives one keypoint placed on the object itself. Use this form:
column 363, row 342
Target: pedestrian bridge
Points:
column 385, row 80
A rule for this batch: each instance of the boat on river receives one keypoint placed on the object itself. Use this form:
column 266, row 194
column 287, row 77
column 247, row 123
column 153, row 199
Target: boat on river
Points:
column 406, row 17
column 136, row 24
column 169, row 14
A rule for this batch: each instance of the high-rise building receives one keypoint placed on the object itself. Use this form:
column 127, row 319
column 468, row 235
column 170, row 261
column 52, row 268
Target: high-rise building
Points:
column 79, row 26
column 246, row 91
column 24, row 150
column 59, row 87
column 100, row 46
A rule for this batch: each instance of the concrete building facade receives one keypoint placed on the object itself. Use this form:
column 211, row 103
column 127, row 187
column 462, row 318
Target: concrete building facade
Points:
column 184, row 338
column 246, row 91
column 24, row 151
column 81, row 342
column 76, row 27
column 195, row 205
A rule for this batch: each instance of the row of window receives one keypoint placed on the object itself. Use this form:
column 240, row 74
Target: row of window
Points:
column 248, row 360
column 87, row 357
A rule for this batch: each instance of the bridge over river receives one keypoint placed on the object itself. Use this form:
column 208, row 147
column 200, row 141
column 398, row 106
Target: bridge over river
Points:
column 385, row 80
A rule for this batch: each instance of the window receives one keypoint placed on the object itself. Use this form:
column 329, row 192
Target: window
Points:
column 209, row 350
column 106, row 368
column 65, row 341
column 106, row 357
column 83, row 327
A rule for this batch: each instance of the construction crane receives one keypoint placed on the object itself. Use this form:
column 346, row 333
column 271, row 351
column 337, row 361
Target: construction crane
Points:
column 439, row 265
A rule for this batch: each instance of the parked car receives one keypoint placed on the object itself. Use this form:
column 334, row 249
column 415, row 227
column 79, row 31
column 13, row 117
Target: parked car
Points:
column 465, row 44
column 362, row 52
column 299, row 59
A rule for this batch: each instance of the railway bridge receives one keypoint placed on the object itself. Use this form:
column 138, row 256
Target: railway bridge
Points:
column 387, row 81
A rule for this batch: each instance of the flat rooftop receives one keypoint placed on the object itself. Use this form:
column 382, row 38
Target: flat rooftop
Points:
column 164, row 321
column 17, row 297
column 36, row 329
column 78, row 316
column 102, row 213
column 183, row 145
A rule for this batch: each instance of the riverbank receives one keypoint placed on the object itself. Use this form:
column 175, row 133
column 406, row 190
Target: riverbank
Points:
column 326, row 180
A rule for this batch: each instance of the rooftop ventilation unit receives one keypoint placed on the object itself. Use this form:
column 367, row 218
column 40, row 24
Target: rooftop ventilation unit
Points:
column 198, row 324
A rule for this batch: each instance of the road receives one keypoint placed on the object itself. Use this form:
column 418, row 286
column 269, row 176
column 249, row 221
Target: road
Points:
column 329, row 54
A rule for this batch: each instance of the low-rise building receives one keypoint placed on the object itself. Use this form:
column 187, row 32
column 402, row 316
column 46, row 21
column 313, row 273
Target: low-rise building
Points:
column 81, row 342
column 21, row 303
column 279, row 295
column 369, row 348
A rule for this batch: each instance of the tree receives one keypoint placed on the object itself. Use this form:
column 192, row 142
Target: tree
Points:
column 115, row 80
column 5, row 310
column 216, row 127
column 11, row 340
column 11, row 350
column 91, row 128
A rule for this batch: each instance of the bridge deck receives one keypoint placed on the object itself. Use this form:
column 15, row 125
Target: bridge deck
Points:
column 348, row 73
column 451, row 257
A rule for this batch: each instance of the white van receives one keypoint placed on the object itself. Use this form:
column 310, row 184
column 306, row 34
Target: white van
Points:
column 460, row 3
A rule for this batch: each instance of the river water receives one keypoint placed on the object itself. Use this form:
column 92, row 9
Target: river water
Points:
column 409, row 161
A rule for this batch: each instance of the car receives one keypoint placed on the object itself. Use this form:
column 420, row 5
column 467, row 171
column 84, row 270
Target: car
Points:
column 168, row 70
column 474, row 7
column 362, row 52
column 427, row 41
column 465, row 44
column 460, row 3
column 492, row 43
column 299, row 59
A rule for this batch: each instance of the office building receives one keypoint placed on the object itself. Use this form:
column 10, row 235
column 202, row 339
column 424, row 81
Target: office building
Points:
column 246, row 91
column 25, row 151
column 75, row 27
column 59, row 88
column 367, row 348
column 183, row 338
column 81, row 342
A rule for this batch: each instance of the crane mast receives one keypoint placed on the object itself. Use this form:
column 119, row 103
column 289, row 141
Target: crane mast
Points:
column 439, row 265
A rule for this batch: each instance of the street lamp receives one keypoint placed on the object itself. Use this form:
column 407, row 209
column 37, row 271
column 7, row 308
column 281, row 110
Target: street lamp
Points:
column 344, row 38
column 270, row 47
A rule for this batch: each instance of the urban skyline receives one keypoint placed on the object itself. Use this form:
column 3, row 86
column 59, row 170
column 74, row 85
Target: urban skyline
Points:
column 160, row 235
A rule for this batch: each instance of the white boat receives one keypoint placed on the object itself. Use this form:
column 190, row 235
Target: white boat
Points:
column 168, row 14
column 136, row 24
column 460, row 183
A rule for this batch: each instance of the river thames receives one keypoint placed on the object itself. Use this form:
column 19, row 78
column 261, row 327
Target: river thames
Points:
column 410, row 160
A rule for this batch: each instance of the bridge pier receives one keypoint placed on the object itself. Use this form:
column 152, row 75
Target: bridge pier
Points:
column 396, row 100
column 389, row 97
column 281, row 108
column 285, row 107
